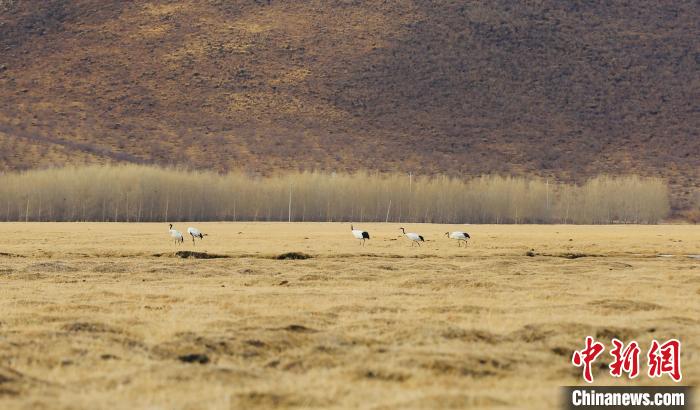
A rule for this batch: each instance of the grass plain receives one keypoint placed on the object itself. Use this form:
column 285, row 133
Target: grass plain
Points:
column 103, row 315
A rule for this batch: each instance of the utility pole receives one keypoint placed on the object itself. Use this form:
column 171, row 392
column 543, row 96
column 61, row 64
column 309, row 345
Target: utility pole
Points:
column 546, row 184
column 387, row 212
column 290, row 203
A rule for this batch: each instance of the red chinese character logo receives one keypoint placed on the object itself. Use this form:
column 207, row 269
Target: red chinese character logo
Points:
column 665, row 358
column 587, row 356
column 626, row 359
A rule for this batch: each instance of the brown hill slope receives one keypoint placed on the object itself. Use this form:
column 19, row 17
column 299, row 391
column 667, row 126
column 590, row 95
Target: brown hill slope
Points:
column 562, row 89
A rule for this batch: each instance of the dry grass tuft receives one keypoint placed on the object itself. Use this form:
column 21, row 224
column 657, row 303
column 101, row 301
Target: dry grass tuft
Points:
column 198, row 255
column 293, row 256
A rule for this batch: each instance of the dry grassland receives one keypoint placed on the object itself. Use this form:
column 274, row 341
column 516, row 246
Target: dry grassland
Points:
column 104, row 316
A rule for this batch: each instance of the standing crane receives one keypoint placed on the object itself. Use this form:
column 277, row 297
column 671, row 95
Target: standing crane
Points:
column 459, row 236
column 176, row 235
column 195, row 233
column 359, row 234
column 413, row 237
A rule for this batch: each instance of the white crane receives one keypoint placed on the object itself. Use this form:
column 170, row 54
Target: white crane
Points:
column 176, row 235
column 195, row 233
column 413, row 237
column 459, row 236
column 359, row 234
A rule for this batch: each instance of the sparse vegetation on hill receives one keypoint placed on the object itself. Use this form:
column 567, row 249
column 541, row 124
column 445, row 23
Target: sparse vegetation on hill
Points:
column 139, row 193
column 558, row 89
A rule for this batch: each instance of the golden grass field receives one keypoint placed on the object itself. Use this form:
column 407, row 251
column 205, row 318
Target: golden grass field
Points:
column 103, row 315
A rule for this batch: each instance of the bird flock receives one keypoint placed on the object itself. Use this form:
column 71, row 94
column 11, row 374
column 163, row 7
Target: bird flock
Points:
column 179, row 238
column 360, row 234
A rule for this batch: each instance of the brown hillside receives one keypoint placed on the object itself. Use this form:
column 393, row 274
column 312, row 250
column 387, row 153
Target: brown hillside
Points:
column 560, row 89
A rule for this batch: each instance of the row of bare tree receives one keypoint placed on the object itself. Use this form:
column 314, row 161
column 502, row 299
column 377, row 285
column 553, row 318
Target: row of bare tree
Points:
column 135, row 193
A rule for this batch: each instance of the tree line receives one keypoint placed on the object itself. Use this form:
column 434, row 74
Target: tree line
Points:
column 136, row 193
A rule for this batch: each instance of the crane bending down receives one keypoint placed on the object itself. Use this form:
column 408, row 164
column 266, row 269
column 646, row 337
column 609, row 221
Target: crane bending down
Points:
column 195, row 233
column 459, row 236
column 413, row 237
column 176, row 235
column 359, row 234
